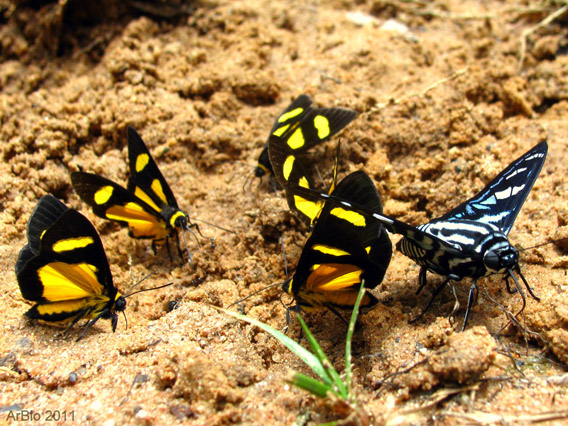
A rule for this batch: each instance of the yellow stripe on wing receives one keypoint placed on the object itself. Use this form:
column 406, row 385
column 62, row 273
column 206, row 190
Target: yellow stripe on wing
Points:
column 146, row 198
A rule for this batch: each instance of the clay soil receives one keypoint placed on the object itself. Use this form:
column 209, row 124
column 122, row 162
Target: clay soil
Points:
column 446, row 99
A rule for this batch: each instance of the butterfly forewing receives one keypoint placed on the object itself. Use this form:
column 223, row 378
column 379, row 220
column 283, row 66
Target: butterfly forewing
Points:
column 501, row 200
column 145, row 176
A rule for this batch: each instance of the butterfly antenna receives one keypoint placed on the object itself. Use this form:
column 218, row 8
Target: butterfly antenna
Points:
column 214, row 226
column 149, row 289
column 543, row 244
column 284, row 255
column 255, row 293
column 129, row 292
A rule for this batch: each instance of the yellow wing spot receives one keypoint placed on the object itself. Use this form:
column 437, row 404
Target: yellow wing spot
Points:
column 288, row 166
column 281, row 130
column 368, row 249
column 296, row 141
column 141, row 162
column 72, row 244
column 350, row 216
column 322, row 125
column 322, row 248
column 290, row 114
column 304, row 182
column 174, row 218
column 68, row 281
column 309, row 208
column 158, row 190
column 103, row 194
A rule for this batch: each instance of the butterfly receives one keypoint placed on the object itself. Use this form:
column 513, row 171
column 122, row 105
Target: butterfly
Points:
column 147, row 205
column 344, row 247
column 301, row 127
column 470, row 241
column 64, row 269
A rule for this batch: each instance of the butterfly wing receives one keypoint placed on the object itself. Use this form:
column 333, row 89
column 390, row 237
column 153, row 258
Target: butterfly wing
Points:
column 70, row 273
column 111, row 201
column 301, row 127
column 47, row 211
column 146, row 181
column 501, row 200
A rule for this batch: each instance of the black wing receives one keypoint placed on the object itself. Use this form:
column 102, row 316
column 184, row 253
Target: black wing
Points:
column 501, row 200
column 145, row 176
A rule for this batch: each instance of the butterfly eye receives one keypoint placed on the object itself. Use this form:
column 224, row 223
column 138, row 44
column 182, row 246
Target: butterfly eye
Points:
column 500, row 259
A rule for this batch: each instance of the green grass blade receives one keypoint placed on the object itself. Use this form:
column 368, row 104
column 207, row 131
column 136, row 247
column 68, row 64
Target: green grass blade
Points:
column 332, row 374
column 309, row 384
column 350, row 330
column 306, row 356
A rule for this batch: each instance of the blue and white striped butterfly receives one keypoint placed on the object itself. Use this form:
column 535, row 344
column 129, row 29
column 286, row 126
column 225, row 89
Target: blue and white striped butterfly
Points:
column 471, row 240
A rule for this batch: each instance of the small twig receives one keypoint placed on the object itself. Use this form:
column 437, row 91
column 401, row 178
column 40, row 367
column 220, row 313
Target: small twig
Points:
column 483, row 418
column 541, row 24
column 420, row 94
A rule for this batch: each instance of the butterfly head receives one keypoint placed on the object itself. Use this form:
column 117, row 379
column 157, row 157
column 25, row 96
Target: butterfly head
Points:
column 119, row 306
column 501, row 256
column 260, row 171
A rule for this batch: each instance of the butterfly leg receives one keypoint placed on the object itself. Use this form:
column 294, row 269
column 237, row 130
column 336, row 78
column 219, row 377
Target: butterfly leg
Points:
column 77, row 318
column 435, row 294
column 422, row 279
column 337, row 314
column 529, row 289
column 510, row 289
column 470, row 300
column 154, row 247
column 92, row 322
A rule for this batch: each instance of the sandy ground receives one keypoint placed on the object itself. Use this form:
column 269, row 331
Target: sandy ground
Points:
column 445, row 104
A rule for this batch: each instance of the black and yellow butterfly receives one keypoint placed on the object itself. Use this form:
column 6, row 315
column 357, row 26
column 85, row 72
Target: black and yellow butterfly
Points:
column 301, row 127
column 147, row 206
column 344, row 247
column 64, row 269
